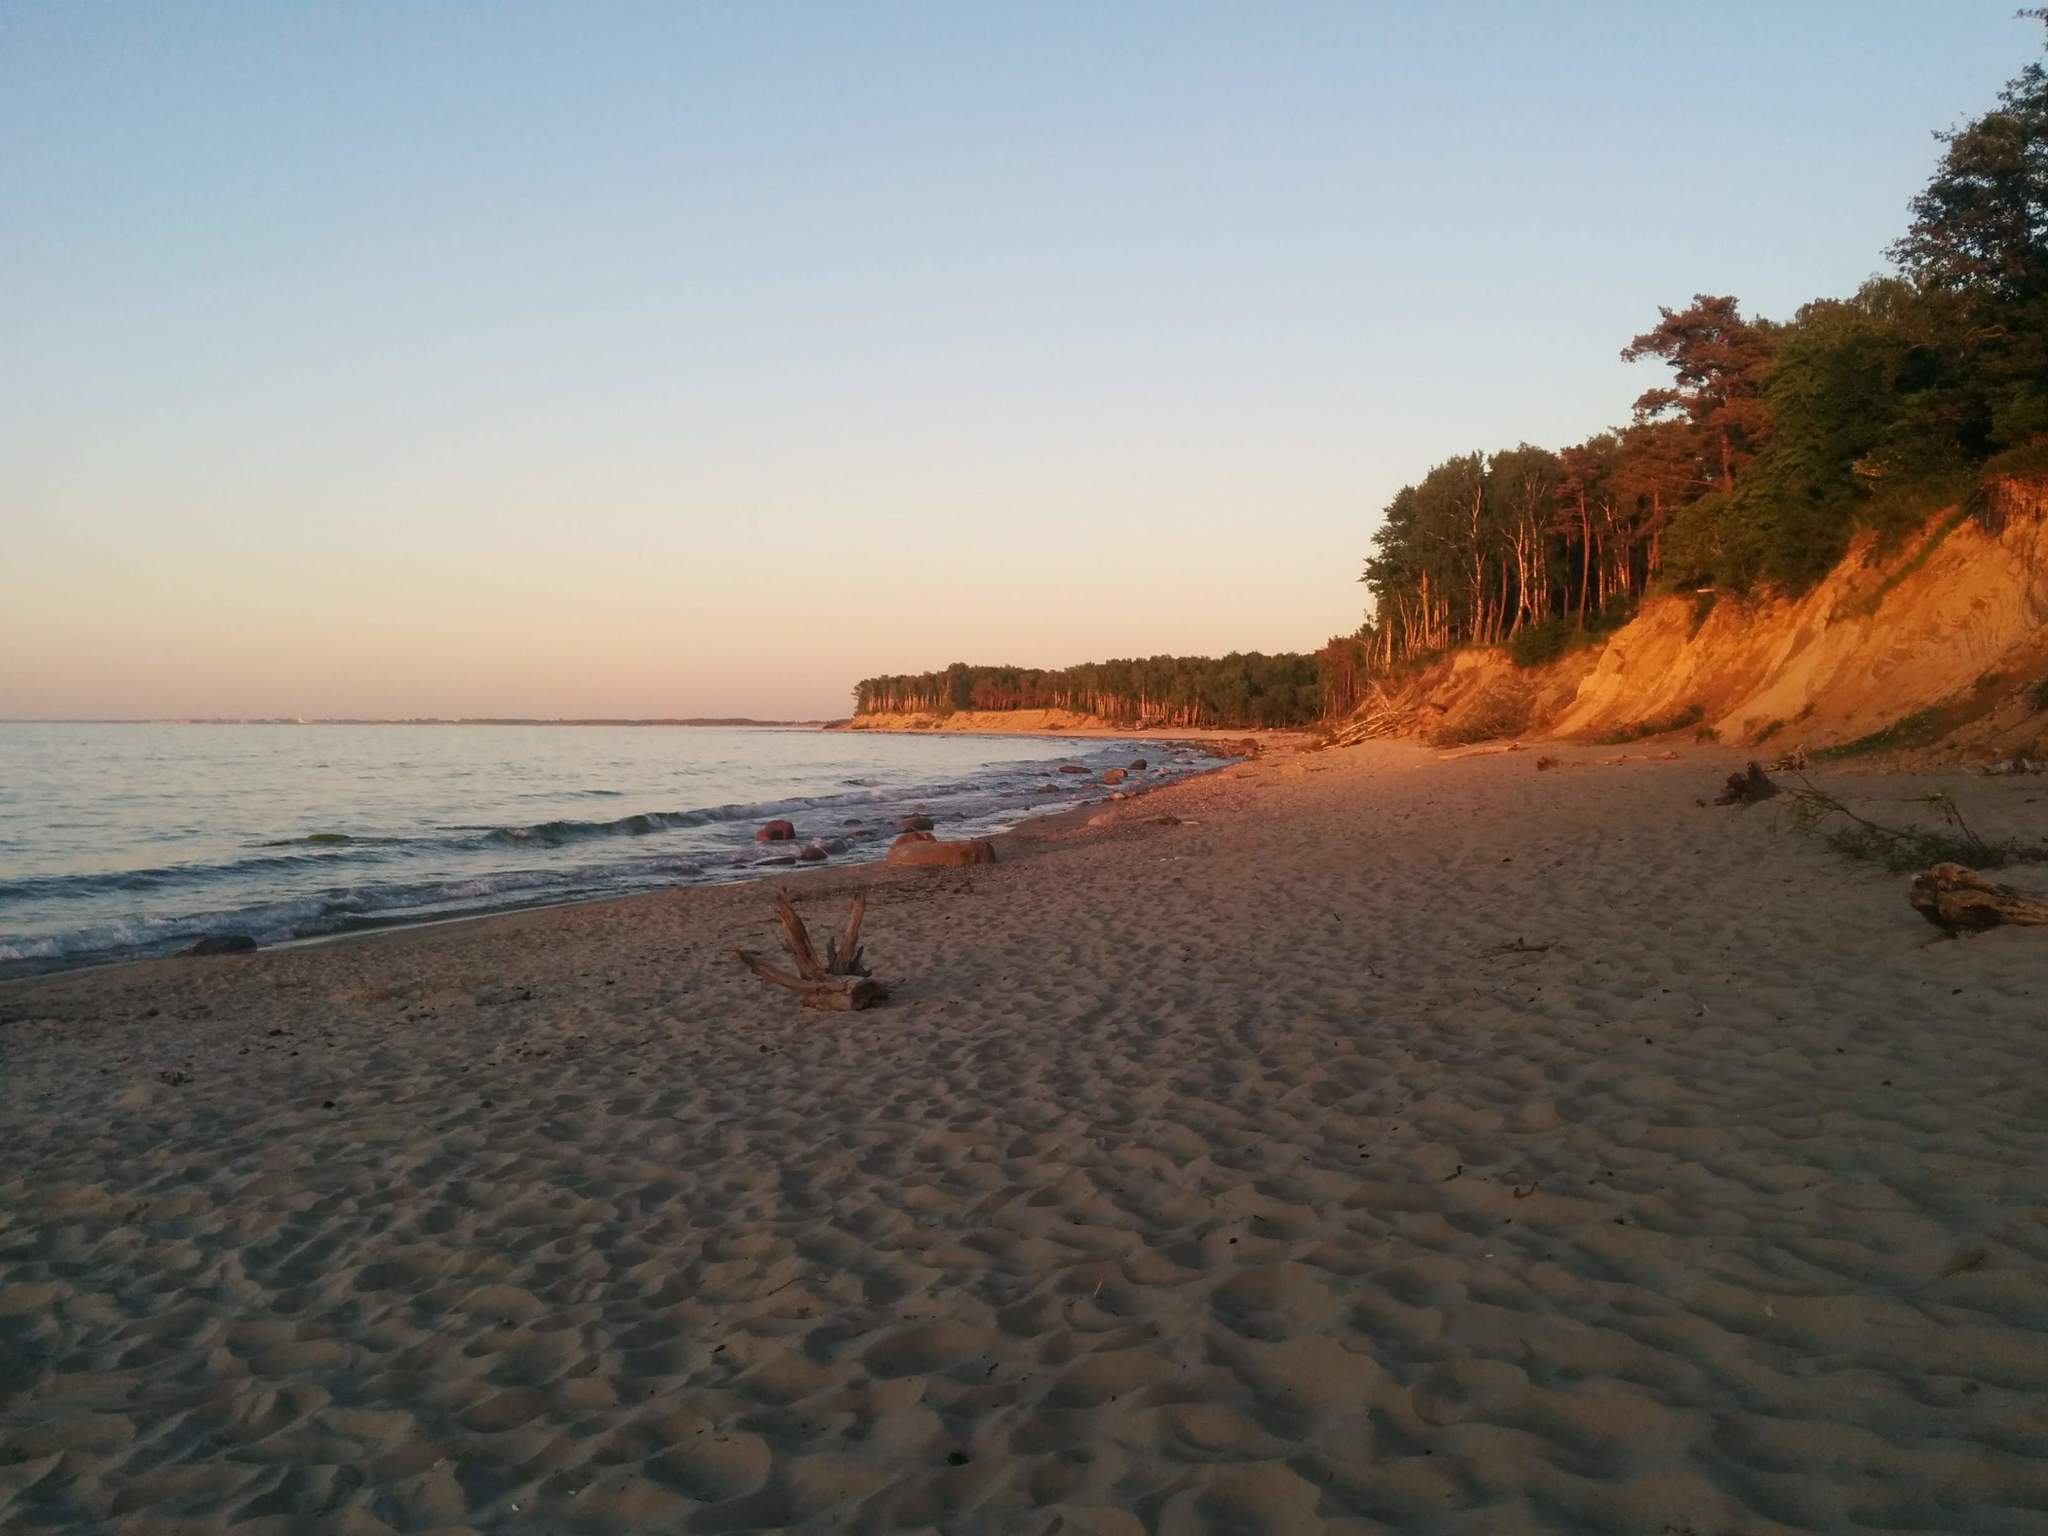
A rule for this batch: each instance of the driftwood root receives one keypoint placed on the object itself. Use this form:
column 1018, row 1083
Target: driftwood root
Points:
column 840, row 980
column 1960, row 900
column 1747, row 788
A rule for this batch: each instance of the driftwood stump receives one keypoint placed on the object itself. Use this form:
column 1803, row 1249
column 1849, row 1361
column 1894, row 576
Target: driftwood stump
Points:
column 1960, row 900
column 839, row 980
column 1746, row 788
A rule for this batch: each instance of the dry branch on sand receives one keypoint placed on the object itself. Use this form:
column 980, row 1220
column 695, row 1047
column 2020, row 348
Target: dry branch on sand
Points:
column 1961, row 900
column 839, row 980
column 1949, row 894
column 1489, row 749
column 1518, row 947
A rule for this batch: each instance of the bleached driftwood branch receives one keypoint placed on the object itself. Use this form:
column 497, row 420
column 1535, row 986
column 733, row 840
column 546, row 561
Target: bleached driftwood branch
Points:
column 840, row 980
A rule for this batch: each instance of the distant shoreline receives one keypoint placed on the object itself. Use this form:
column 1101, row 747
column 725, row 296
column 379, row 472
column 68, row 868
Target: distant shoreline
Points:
column 419, row 720
column 1055, row 724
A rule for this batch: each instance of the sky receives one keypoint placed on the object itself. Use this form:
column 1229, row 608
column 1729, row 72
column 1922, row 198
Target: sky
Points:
column 660, row 359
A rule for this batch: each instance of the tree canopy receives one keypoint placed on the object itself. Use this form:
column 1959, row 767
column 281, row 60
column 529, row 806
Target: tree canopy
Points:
column 1768, row 446
column 1243, row 690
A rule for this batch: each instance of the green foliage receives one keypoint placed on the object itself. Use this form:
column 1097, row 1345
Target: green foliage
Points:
column 1706, row 734
column 1915, row 730
column 1244, row 690
column 1473, row 554
column 1851, row 447
column 1499, row 711
column 1702, row 605
column 1677, row 720
column 1719, row 361
column 1488, row 725
column 1537, row 645
column 1900, row 510
column 1854, row 836
column 2027, row 462
column 1770, row 447
column 1979, row 238
column 1766, row 731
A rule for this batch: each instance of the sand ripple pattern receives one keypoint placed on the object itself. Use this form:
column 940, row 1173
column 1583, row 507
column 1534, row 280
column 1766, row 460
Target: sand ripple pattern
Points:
column 1220, row 1177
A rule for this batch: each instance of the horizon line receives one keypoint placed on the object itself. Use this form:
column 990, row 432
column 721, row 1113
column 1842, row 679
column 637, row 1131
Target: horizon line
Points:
column 647, row 720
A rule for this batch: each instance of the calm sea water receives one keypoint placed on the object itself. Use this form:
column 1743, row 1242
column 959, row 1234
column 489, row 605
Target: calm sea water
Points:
column 126, row 840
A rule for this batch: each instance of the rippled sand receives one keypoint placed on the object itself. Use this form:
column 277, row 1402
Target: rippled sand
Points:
column 1224, row 1176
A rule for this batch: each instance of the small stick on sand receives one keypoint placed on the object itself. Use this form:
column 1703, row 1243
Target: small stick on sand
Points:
column 1493, row 749
column 838, row 981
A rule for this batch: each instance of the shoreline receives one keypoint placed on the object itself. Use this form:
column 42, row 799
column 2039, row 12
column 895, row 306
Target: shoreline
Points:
column 371, row 928
column 1381, row 1141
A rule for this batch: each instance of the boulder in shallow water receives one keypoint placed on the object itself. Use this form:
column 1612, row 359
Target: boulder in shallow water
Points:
column 1072, row 768
column 1137, row 765
column 1113, row 775
column 222, row 944
column 812, row 852
column 920, row 850
column 775, row 832
column 913, row 824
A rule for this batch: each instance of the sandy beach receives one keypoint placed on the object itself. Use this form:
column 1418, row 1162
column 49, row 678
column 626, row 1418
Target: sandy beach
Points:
column 1387, row 1145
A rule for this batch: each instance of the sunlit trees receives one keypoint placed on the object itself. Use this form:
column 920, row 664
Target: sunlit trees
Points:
column 1243, row 690
column 1979, row 236
column 1718, row 362
column 1770, row 445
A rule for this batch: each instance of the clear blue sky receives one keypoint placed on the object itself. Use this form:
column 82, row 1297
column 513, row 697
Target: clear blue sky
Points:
column 664, row 359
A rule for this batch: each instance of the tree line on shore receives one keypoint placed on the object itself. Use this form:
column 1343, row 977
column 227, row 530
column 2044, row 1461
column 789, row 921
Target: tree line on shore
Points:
column 1244, row 690
column 1769, row 448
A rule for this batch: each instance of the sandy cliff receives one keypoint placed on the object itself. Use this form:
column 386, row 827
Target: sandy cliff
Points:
column 1939, row 639
column 1938, row 643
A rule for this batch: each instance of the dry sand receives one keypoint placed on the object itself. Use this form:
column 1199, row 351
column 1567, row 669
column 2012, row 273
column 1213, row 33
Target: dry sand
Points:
column 1223, row 1176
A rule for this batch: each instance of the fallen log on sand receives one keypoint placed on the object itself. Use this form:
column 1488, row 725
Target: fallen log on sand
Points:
column 1960, row 900
column 1491, row 749
column 840, row 980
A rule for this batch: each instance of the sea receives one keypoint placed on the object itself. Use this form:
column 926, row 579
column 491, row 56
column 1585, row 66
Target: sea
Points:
column 119, row 841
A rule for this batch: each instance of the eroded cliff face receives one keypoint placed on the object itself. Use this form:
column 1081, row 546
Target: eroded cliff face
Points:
column 1943, row 637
